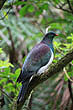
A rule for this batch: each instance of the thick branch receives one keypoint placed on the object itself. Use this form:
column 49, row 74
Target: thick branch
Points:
column 53, row 69
column 2, row 3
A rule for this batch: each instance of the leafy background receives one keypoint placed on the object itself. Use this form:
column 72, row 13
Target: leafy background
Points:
column 20, row 30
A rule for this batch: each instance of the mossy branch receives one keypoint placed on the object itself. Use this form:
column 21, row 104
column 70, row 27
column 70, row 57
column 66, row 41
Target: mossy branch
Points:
column 52, row 70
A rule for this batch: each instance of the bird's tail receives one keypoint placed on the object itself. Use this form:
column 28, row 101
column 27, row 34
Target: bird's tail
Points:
column 23, row 91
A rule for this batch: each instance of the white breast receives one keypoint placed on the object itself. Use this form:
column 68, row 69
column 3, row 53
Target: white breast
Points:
column 42, row 69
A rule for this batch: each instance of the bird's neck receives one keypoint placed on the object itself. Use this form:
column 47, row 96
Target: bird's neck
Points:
column 49, row 42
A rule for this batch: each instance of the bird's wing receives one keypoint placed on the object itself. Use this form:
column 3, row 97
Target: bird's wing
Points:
column 37, row 58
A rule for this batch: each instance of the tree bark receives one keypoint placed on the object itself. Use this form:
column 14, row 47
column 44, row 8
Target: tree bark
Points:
column 52, row 70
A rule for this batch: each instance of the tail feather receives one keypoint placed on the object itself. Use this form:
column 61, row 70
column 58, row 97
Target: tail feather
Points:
column 23, row 91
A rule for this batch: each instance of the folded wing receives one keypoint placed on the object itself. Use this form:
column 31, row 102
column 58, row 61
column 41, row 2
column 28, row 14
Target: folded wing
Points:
column 38, row 57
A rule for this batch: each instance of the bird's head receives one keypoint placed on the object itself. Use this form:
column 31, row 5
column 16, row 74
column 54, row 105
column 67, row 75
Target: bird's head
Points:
column 51, row 35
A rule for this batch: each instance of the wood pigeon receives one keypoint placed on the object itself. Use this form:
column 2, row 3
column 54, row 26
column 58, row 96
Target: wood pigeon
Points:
column 37, row 60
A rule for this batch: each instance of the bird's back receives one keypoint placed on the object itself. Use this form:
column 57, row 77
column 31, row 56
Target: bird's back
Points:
column 37, row 57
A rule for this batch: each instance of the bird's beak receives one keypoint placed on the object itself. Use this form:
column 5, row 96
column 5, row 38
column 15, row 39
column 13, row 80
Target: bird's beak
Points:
column 57, row 34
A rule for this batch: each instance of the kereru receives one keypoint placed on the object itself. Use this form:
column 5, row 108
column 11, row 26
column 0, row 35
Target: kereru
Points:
column 38, row 59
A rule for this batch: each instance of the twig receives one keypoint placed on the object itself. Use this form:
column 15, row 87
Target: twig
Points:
column 69, row 4
column 13, row 53
column 63, row 4
column 7, row 11
column 10, row 35
column 39, row 28
column 70, row 90
column 2, row 3
column 67, row 75
column 26, row 108
column 5, row 14
column 62, row 8
column 47, row 29
column 69, row 86
column 6, row 95
column 30, row 102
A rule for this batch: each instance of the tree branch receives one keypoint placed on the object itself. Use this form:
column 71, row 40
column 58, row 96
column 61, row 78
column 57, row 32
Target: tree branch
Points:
column 2, row 3
column 70, row 7
column 10, row 99
column 70, row 90
column 61, row 7
column 5, row 14
column 70, row 85
column 12, row 53
column 52, row 70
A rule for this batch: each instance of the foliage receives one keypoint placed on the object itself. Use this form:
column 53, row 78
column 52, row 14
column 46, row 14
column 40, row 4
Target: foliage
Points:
column 27, row 22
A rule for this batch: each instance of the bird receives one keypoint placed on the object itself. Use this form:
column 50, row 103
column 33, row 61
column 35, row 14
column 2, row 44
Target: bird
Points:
column 36, row 62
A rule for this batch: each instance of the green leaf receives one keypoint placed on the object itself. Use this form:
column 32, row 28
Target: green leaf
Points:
column 20, row 3
column 5, row 64
column 17, row 72
column 6, row 70
column 45, row 6
column 9, row 87
column 56, row 1
column 72, row 61
column 65, row 77
column 23, row 10
column 1, row 50
column 23, row 59
column 30, row 8
column 69, row 39
column 2, row 81
column 37, row 13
